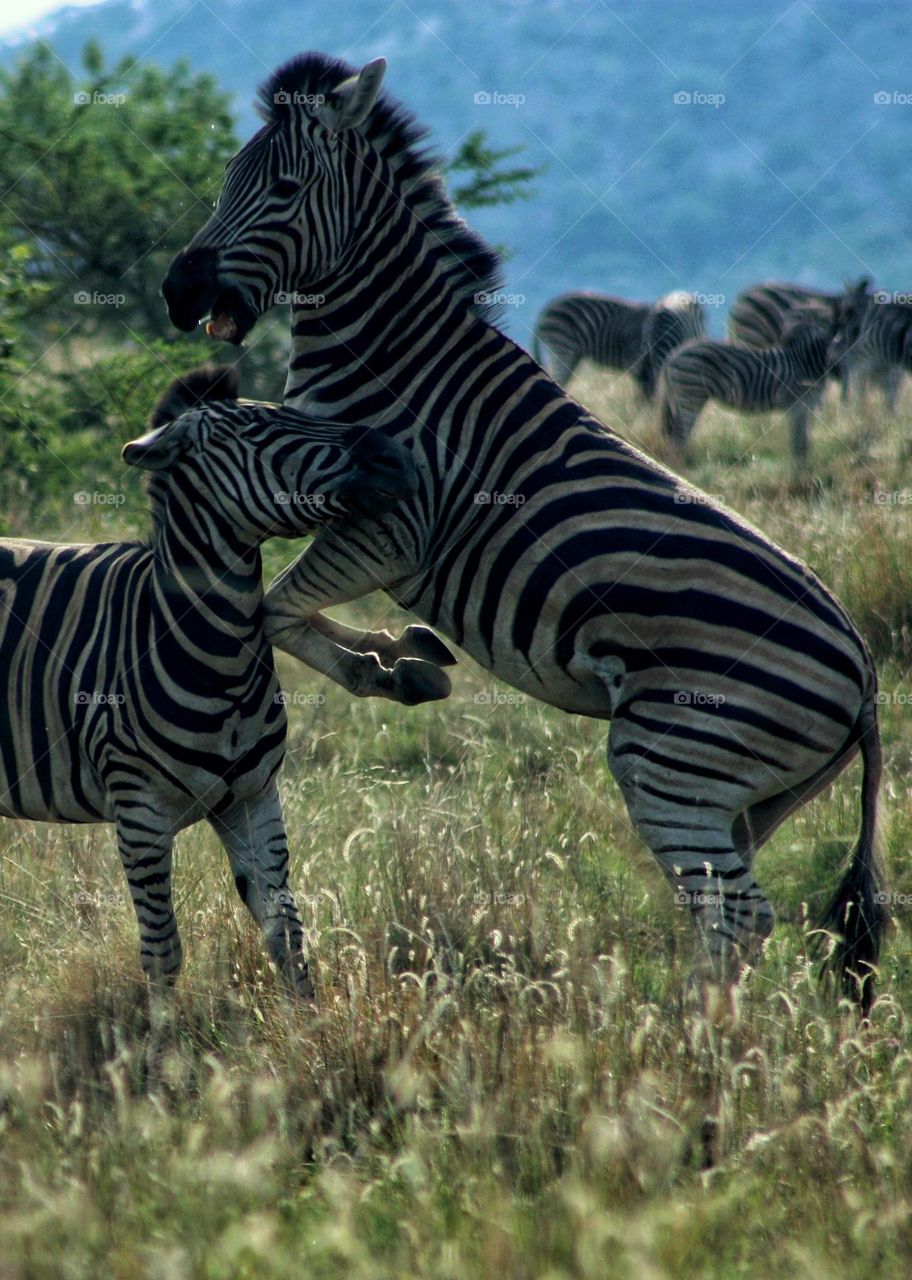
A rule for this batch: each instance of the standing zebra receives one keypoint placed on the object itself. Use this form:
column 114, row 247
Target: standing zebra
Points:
column 790, row 376
column 140, row 686
column 759, row 314
column 589, row 326
column 672, row 321
column 560, row 557
column 876, row 337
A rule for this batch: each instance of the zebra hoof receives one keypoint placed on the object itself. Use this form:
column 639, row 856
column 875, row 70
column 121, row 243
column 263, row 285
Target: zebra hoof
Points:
column 417, row 681
column 421, row 642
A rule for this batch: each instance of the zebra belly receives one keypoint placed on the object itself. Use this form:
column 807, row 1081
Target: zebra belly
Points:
column 681, row 652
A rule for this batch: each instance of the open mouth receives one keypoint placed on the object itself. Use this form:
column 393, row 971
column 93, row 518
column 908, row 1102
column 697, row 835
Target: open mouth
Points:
column 222, row 327
column 231, row 317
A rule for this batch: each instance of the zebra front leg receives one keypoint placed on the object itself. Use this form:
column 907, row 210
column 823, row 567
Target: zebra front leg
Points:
column 414, row 642
column 294, row 601
column 253, row 835
column 146, row 858
column 410, row 681
column 677, row 424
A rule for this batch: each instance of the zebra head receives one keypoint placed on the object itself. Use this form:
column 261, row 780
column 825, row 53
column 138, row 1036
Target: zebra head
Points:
column 851, row 313
column 267, row 470
column 286, row 213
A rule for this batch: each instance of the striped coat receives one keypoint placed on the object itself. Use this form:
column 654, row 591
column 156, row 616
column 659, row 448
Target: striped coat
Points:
column 590, row 326
column 561, row 558
column 140, row 686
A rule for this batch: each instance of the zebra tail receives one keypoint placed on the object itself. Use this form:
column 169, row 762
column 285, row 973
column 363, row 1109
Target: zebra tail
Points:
column 857, row 912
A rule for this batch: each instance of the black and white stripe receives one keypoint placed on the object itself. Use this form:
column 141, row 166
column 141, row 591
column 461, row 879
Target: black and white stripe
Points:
column 759, row 315
column 875, row 339
column 141, row 689
column 673, row 320
column 790, row 376
column 557, row 555
column 589, row 326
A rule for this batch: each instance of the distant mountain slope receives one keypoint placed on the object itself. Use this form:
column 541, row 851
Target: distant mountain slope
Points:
column 798, row 173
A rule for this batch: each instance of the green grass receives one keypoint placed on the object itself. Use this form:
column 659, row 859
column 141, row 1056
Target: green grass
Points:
column 502, row 1077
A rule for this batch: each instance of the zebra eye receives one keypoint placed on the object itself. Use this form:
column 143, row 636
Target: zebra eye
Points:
column 285, row 188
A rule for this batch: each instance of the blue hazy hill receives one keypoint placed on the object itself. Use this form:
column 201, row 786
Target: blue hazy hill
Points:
column 688, row 144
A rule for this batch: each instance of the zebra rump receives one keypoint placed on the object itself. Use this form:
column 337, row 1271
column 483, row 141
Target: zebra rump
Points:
column 674, row 320
column 589, row 326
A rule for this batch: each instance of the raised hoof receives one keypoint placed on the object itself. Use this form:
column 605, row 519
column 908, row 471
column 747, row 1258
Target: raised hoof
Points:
column 417, row 681
column 421, row 642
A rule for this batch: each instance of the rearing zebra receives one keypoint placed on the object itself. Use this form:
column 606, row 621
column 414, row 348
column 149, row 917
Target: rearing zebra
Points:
column 140, row 686
column 556, row 554
column 789, row 376
column 589, row 326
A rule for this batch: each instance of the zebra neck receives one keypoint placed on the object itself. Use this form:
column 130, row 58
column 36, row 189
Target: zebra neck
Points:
column 207, row 584
column 355, row 356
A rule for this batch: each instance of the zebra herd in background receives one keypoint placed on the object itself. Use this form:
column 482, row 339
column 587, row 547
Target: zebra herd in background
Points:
column 786, row 341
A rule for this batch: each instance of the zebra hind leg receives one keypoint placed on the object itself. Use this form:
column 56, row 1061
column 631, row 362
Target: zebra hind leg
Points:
column 700, row 847
column 253, row 835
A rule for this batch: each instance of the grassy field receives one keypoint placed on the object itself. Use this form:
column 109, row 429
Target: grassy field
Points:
column 501, row 1078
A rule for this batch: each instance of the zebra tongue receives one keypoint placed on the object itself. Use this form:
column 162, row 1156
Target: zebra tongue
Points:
column 221, row 327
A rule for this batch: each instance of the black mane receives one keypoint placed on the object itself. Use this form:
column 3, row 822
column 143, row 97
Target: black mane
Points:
column 303, row 82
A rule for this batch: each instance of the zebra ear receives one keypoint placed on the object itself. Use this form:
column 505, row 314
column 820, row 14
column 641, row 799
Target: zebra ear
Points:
column 350, row 102
column 157, row 449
